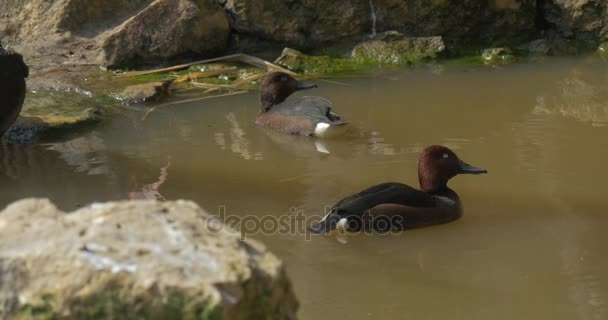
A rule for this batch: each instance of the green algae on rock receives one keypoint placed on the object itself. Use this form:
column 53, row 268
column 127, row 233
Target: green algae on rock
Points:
column 53, row 114
column 135, row 260
column 302, row 63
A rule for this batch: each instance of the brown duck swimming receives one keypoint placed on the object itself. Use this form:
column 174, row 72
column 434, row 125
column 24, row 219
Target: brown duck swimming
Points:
column 310, row 116
column 13, row 72
column 396, row 206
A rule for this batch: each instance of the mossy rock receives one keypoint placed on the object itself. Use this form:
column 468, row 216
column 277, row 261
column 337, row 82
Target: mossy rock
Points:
column 603, row 49
column 146, row 92
column 495, row 56
column 50, row 115
column 394, row 48
column 117, row 302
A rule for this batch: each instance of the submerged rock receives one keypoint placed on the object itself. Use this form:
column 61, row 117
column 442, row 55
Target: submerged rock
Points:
column 33, row 128
column 394, row 48
column 134, row 260
column 13, row 72
column 49, row 114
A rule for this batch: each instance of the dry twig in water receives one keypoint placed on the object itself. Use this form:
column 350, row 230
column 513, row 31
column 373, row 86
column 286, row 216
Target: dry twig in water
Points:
column 235, row 58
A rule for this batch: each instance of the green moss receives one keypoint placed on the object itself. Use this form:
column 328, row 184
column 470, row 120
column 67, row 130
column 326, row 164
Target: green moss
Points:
column 302, row 63
column 117, row 303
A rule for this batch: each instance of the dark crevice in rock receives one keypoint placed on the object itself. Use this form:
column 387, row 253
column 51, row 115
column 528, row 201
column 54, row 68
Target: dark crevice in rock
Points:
column 540, row 20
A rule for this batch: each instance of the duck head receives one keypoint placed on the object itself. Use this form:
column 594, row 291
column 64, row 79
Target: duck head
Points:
column 438, row 164
column 277, row 86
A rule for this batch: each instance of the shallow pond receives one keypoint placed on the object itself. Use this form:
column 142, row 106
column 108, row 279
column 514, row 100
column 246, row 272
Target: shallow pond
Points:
column 529, row 245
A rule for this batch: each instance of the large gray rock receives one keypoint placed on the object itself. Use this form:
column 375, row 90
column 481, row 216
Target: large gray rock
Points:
column 167, row 29
column 134, row 260
column 13, row 72
column 113, row 33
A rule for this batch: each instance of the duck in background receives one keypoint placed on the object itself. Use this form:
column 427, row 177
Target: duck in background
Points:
column 13, row 72
column 395, row 206
column 309, row 115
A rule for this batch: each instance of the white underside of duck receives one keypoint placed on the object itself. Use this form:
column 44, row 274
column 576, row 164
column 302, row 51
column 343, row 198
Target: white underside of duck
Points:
column 321, row 129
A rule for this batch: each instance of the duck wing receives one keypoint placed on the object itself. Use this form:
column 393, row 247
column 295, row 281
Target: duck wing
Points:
column 386, row 193
column 315, row 108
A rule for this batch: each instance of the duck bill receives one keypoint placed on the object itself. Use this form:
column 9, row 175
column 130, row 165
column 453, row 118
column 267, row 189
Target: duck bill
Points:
column 466, row 168
column 305, row 86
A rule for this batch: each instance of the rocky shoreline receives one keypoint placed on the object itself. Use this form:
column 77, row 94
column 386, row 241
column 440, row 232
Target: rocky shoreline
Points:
column 116, row 34
column 63, row 42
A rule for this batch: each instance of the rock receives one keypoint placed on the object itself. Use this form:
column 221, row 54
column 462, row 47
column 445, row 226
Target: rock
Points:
column 497, row 56
column 49, row 114
column 305, row 24
column 167, row 29
column 292, row 59
column 30, row 129
column 113, row 33
column 585, row 20
column 134, row 260
column 147, row 92
column 394, row 48
column 13, row 72
column 539, row 47
column 299, row 23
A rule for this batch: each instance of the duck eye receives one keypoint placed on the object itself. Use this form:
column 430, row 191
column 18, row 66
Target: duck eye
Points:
column 445, row 155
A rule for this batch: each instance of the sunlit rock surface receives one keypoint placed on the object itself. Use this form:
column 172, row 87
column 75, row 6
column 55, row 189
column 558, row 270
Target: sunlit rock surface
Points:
column 134, row 260
column 113, row 33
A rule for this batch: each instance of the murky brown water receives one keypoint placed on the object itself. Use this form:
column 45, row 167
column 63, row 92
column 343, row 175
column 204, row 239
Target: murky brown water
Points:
column 531, row 243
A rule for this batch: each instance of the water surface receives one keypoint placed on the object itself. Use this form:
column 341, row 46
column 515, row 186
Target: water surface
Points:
column 531, row 243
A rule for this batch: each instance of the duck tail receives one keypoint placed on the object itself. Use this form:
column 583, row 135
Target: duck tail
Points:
column 329, row 223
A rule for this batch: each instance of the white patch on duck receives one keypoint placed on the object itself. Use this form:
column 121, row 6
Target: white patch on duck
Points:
column 342, row 224
column 321, row 129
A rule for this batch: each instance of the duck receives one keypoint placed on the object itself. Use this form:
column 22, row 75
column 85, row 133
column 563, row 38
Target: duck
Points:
column 307, row 116
column 394, row 206
column 13, row 72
